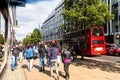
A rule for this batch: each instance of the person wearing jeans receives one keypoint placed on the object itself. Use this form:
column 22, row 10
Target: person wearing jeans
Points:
column 14, row 62
column 42, row 52
column 42, row 63
column 15, row 54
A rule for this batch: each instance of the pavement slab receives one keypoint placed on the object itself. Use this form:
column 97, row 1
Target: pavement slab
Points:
column 88, row 69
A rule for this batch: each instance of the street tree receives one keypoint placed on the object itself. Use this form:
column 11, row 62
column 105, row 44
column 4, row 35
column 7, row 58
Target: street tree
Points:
column 82, row 14
column 34, row 37
column 26, row 40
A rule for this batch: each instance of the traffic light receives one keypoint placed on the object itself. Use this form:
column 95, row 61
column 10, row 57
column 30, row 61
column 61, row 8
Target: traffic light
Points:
column 117, row 36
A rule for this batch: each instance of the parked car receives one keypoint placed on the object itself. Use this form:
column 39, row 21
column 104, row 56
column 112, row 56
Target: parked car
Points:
column 117, row 50
column 110, row 49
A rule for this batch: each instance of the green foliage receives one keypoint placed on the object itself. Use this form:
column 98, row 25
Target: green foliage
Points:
column 87, row 13
column 34, row 37
column 62, row 26
column 1, row 39
column 26, row 40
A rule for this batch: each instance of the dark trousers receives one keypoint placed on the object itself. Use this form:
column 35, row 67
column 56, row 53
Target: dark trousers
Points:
column 66, row 69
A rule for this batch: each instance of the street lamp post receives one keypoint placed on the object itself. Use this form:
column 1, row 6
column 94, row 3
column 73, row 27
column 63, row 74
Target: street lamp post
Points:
column 110, row 20
column 118, row 15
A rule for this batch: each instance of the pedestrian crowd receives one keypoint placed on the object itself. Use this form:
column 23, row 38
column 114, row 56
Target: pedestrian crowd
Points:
column 52, row 52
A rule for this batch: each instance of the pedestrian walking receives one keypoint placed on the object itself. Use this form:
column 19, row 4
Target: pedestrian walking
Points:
column 21, row 53
column 66, row 59
column 73, row 54
column 53, row 58
column 47, row 56
column 35, row 48
column 59, row 55
column 29, row 52
column 42, row 53
column 15, row 55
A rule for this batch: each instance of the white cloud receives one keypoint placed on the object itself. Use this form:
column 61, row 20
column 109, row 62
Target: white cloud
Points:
column 32, row 15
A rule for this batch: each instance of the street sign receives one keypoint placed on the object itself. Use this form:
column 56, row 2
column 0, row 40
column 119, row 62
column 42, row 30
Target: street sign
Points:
column 18, row 2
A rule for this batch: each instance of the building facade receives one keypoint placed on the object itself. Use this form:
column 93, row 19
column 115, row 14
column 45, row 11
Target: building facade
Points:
column 116, row 21
column 51, row 28
column 112, row 28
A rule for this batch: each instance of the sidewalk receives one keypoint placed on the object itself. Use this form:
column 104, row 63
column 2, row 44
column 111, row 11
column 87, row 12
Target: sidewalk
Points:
column 88, row 69
column 17, row 74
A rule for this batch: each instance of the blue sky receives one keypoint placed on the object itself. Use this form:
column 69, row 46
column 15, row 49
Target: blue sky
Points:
column 32, row 15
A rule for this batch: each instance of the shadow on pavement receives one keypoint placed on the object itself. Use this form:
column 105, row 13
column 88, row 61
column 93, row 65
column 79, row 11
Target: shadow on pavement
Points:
column 36, row 66
column 24, row 66
column 46, row 71
column 93, row 64
column 62, row 74
column 118, row 61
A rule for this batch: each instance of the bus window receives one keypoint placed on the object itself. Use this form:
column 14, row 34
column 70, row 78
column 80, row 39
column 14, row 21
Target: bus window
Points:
column 97, row 41
column 97, row 32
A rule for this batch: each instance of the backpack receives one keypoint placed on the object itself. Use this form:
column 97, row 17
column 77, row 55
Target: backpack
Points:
column 53, row 53
column 41, row 52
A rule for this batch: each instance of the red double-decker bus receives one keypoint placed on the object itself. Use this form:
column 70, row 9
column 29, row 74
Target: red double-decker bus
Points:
column 94, row 41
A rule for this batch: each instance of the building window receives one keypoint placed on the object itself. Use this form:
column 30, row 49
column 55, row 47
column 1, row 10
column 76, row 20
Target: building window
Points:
column 114, row 1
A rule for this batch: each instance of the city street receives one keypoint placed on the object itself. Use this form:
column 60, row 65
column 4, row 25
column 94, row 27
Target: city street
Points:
column 88, row 69
column 32, row 28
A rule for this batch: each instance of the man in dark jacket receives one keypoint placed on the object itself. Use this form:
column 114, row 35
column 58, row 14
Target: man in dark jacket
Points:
column 15, row 54
column 42, row 53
